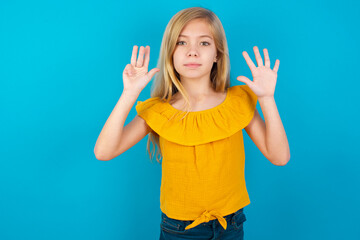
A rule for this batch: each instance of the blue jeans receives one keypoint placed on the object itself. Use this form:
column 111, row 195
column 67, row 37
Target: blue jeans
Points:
column 171, row 229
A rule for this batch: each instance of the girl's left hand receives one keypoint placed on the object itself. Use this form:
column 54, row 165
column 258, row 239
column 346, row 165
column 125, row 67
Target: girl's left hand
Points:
column 264, row 78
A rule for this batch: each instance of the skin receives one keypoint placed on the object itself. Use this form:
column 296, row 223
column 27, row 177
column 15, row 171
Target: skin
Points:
column 268, row 136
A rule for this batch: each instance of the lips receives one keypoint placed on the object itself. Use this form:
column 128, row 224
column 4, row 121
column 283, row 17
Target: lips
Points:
column 192, row 65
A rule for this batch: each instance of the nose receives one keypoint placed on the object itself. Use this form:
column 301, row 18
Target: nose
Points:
column 193, row 51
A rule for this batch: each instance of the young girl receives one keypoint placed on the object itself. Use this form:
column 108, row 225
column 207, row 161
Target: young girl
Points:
column 203, row 190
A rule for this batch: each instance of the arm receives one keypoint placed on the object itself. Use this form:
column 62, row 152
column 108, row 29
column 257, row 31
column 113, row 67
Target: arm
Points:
column 114, row 139
column 269, row 136
column 109, row 139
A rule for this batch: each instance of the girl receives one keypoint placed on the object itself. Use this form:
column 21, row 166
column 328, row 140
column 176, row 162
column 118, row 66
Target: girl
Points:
column 203, row 190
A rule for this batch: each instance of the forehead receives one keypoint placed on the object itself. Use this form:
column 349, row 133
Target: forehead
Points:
column 196, row 27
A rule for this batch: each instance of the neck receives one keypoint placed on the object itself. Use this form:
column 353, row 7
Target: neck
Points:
column 197, row 88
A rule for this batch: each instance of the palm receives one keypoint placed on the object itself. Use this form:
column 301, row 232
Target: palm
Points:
column 136, row 75
column 264, row 78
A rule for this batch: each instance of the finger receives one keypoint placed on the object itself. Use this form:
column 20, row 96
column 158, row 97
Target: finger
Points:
column 276, row 66
column 128, row 69
column 244, row 80
column 258, row 56
column 249, row 61
column 267, row 58
column 133, row 56
column 140, row 59
column 125, row 70
column 152, row 72
column 147, row 56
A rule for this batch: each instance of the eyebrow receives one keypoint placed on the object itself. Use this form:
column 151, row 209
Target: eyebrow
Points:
column 181, row 35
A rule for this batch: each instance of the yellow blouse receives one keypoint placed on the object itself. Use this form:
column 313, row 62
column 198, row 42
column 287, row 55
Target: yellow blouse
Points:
column 203, row 156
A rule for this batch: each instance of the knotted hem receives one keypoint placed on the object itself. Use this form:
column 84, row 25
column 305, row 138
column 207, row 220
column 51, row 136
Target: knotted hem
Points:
column 205, row 217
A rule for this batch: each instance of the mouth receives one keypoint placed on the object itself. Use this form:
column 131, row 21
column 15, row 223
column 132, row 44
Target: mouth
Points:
column 192, row 65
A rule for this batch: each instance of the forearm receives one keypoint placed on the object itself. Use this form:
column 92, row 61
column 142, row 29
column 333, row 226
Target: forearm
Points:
column 276, row 141
column 110, row 135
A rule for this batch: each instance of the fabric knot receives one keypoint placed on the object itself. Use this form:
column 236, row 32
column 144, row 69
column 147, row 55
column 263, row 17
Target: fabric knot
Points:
column 205, row 217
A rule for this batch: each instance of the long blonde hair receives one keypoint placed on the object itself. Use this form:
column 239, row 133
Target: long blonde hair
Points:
column 167, row 80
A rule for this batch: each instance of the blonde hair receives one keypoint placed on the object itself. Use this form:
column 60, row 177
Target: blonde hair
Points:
column 167, row 80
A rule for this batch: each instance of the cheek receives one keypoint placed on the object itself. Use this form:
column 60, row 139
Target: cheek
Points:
column 177, row 60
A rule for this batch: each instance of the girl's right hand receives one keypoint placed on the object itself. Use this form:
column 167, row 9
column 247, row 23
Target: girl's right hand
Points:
column 136, row 75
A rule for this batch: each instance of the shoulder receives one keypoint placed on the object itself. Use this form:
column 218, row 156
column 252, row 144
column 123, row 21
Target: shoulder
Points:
column 147, row 104
column 241, row 90
column 243, row 94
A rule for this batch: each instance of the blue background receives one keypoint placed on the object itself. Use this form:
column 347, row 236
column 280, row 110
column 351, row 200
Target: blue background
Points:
column 61, row 67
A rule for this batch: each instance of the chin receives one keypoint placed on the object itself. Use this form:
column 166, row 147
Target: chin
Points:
column 195, row 75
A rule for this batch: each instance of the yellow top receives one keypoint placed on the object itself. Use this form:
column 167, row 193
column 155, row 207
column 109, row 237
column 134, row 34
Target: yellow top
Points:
column 203, row 156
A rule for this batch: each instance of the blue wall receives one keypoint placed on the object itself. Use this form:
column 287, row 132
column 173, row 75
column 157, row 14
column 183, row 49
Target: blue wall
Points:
column 61, row 69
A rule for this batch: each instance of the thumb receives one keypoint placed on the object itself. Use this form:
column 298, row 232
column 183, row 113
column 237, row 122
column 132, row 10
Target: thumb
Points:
column 152, row 72
column 244, row 80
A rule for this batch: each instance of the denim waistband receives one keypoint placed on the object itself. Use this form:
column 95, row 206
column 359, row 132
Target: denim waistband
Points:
column 227, row 217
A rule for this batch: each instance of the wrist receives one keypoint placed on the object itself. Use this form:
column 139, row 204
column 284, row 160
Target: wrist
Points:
column 130, row 93
column 266, row 98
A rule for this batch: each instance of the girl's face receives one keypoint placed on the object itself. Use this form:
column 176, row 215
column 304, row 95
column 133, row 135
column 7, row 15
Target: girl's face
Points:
column 194, row 45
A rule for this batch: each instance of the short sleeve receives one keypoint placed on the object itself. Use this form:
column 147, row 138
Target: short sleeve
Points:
column 143, row 106
column 147, row 110
column 246, row 101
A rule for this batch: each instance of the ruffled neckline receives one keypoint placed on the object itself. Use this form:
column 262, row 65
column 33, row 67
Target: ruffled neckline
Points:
column 199, row 127
column 228, row 92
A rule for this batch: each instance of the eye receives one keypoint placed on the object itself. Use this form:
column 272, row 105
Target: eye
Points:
column 182, row 43
column 207, row 44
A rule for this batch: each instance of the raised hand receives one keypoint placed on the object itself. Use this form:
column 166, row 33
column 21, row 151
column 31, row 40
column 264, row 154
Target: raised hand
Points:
column 135, row 74
column 264, row 78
